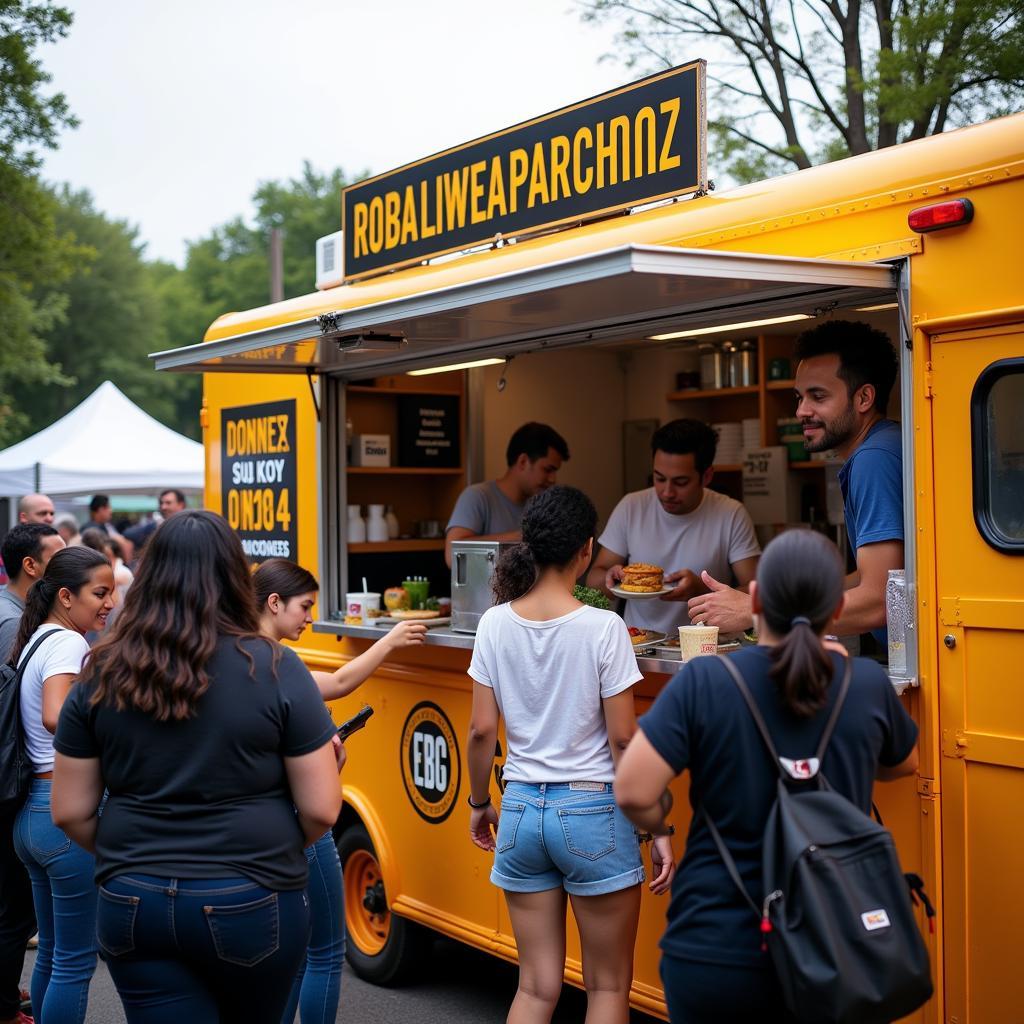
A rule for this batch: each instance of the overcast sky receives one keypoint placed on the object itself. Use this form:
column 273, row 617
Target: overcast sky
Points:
column 186, row 106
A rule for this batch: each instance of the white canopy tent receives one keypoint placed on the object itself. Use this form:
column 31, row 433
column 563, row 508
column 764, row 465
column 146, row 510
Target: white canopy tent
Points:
column 107, row 445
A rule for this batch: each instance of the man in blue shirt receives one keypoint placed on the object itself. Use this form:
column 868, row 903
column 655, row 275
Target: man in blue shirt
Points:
column 844, row 378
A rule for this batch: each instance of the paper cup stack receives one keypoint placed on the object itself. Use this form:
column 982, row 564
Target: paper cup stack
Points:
column 730, row 443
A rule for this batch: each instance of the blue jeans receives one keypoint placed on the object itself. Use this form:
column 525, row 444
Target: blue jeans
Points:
column 570, row 835
column 64, row 895
column 318, row 985
column 201, row 951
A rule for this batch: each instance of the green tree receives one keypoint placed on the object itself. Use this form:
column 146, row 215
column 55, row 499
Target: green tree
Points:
column 34, row 255
column 805, row 81
column 230, row 269
column 118, row 310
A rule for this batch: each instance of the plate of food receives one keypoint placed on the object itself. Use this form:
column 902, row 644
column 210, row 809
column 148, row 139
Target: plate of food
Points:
column 642, row 581
column 671, row 645
column 644, row 637
column 427, row 616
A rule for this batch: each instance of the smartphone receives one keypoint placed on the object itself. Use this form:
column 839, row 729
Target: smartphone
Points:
column 355, row 723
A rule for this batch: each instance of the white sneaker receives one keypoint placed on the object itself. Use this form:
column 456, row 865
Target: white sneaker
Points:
column 33, row 943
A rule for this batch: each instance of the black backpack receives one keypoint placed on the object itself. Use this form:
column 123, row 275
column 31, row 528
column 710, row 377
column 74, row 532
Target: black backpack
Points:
column 836, row 914
column 15, row 767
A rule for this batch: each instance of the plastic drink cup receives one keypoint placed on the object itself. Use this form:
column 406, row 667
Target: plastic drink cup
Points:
column 695, row 641
column 361, row 608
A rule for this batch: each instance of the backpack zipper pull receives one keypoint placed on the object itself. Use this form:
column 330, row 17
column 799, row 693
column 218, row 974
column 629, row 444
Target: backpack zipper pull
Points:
column 766, row 924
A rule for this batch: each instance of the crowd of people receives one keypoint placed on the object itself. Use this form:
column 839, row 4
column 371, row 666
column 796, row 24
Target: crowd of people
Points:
column 185, row 771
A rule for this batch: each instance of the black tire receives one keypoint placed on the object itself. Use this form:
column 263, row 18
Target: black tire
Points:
column 404, row 952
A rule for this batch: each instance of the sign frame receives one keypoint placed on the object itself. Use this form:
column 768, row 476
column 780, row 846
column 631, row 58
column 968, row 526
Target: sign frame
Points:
column 490, row 230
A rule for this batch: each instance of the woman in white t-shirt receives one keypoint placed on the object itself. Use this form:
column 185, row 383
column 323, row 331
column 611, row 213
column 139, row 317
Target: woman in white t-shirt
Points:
column 74, row 596
column 560, row 674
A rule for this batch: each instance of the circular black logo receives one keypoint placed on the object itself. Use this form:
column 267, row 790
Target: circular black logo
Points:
column 431, row 767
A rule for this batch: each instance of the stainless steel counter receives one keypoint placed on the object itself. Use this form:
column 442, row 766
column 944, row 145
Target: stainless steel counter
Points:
column 442, row 636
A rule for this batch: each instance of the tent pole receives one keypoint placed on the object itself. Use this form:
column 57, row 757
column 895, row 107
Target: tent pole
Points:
column 38, row 475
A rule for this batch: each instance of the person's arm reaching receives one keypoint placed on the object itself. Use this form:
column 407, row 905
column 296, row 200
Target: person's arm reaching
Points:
column 722, row 606
column 907, row 766
column 606, row 572
column 864, row 607
column 352, row 675
column 483, row 738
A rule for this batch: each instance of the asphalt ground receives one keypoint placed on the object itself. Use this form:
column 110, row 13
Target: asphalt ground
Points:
column 463, row 986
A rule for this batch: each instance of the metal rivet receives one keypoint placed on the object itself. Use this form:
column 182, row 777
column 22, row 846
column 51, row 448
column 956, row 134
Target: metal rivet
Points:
column 949, row 640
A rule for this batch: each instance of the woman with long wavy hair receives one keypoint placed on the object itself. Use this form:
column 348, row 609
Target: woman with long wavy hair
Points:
column 215, row 748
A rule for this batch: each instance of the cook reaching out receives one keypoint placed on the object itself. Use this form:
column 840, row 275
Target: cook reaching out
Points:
column 680, row 525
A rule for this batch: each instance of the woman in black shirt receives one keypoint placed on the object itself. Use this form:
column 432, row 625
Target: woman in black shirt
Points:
column 215, row 748
column 713, row 967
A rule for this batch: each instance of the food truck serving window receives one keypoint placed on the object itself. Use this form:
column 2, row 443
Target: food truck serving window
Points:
column 997, row 445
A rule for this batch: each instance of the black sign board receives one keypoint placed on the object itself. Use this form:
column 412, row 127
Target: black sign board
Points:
column 428, row 430
column 258, row 477
column 634, row 145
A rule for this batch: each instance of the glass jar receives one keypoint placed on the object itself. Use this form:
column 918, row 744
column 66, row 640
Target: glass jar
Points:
column 897, row 616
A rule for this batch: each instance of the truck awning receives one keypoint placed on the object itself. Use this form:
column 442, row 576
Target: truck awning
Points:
column 624, row 293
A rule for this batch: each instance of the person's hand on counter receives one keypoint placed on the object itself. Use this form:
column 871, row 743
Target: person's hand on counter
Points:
column 721, row 606
column 686, row 585
column 406, row 634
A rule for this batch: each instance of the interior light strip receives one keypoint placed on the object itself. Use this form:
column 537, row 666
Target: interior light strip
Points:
column 722, row 328
column 877, row 309
column 453, row 366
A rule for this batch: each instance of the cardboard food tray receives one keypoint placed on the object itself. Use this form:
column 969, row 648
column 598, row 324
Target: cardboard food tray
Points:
column 387, row 622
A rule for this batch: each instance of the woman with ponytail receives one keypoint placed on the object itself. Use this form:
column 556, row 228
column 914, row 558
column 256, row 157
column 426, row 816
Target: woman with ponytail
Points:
column 713, row 965
column 561, row 674
column 74, row 596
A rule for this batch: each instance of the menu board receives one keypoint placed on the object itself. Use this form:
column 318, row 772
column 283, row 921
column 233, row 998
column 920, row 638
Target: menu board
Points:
column 258, row 477
column 428, row 431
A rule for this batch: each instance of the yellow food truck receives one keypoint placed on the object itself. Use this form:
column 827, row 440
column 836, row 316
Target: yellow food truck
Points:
column 577, row 261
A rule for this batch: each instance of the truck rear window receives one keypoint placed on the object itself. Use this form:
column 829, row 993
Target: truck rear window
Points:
column 997, row 441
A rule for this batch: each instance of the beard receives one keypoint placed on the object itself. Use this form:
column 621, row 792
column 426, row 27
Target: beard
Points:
column 836, row 432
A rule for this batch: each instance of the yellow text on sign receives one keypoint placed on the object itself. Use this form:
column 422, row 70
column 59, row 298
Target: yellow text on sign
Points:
column 256, row 510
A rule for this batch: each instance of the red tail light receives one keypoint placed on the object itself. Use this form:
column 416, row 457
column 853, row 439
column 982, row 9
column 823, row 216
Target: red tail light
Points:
column 951, row 214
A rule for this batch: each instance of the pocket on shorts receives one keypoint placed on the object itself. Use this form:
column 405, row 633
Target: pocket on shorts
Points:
column 589, row 831
column 245, row 934
column 508, row 826
column 115, row 922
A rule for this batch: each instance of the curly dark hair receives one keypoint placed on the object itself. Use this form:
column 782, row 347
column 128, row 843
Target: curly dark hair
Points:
column 557, row 523
column 193, row 587
column 866, row 355
column 681, row 437
column 800, row 576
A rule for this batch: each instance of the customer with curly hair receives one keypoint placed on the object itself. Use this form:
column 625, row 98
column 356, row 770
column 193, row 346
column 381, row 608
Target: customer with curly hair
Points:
column 216, row 750
column 561, row 674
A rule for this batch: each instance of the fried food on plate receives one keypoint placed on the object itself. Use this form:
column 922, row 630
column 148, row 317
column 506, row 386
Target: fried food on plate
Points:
column 642, row 578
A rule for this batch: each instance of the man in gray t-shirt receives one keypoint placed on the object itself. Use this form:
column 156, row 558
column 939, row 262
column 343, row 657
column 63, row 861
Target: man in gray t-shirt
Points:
column 679, row 525
column 494, row 510
column 26, row 550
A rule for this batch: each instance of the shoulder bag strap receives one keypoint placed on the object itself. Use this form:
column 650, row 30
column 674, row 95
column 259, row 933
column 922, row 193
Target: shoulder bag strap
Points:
column 730, row 864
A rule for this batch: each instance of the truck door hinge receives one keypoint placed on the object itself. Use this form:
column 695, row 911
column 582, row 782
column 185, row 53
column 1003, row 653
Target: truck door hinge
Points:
column 929, row 381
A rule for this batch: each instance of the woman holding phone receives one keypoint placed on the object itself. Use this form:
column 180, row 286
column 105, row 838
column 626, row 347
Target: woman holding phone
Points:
column 216, row 750
column 286, row 593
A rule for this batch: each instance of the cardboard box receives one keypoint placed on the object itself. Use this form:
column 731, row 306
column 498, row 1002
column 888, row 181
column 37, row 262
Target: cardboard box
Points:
column 371, row 450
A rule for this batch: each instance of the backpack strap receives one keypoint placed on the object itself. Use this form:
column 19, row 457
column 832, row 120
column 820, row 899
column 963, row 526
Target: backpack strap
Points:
column 730, row 864
column 32, row 650
column 830, row 725
column 755, row 712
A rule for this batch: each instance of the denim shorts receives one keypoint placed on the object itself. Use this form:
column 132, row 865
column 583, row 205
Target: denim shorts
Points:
column 567, row 835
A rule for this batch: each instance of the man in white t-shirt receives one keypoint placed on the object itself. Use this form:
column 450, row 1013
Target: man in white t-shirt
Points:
column 677, row 524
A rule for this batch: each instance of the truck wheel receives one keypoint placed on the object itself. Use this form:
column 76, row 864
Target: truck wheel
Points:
column 383, row 948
